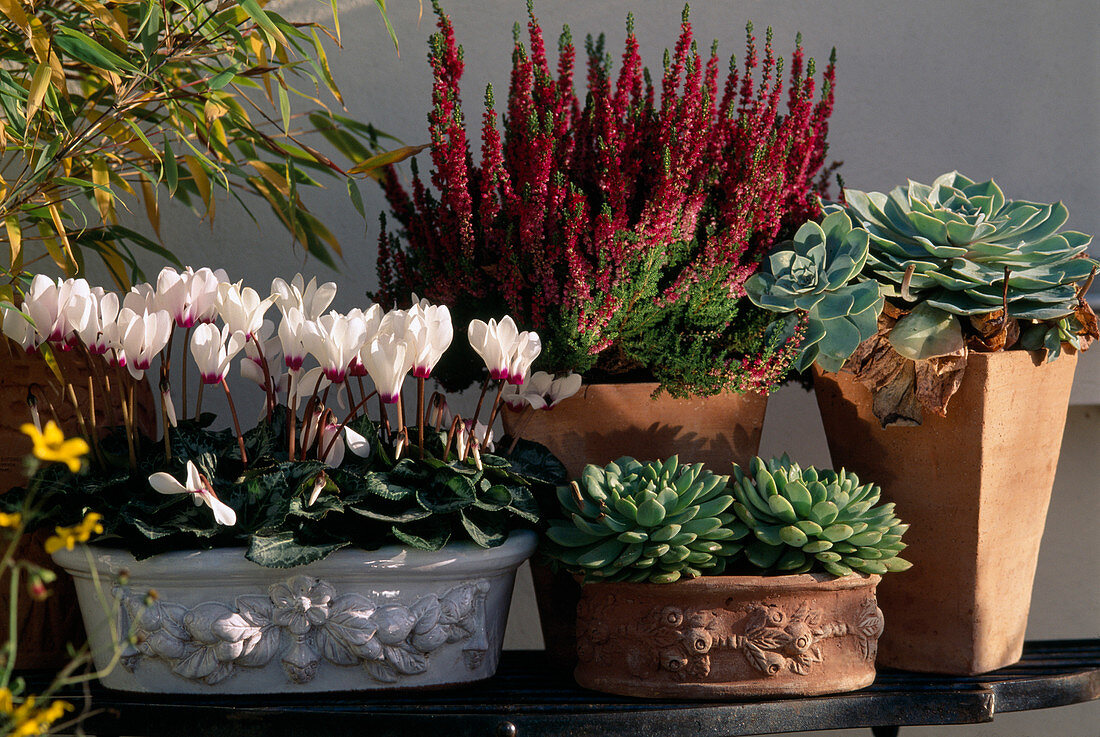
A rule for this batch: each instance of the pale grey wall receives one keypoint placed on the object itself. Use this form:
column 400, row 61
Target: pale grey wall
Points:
column 1009, row 90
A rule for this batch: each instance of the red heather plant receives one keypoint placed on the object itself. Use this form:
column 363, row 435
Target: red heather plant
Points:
column 624, row 229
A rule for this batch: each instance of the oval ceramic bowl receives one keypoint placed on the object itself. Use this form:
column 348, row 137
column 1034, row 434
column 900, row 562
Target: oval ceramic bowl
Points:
column 358, row 620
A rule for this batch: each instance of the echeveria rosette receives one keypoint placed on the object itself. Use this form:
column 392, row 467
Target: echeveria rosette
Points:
column 656, row 522
column 809, row 519
column 959, row 237
column 812, row 275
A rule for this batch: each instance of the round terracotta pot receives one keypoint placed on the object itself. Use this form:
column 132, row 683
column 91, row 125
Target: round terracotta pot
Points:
column 604, row 422
column 719, row 637
column 975, row 486
column 46, row 627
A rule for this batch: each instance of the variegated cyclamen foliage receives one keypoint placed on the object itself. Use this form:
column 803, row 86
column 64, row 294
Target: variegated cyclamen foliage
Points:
column 812, row 274
column 959, row 237
column 631, row 521
column 808, row 519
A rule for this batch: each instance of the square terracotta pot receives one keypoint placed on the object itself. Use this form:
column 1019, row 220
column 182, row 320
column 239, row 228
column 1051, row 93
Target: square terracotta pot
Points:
column 975, row 487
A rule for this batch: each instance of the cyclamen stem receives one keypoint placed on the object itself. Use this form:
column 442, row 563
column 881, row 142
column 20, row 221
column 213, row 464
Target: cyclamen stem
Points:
column 492, row 416
column 198, row 400
column 127, row 420
column 183, row 378
column 362, row 389
column 452, row 433
column 521, row 427
column 291, row 412
column 420, row 414
column 481, row 399
column 269, row 388
column 165, row 388
column 92, row 422
column 236, row 422
column 76, row 407
column 384, row 417
column 342, row 425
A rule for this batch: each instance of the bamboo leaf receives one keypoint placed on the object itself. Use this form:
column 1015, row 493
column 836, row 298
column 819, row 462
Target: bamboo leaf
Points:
column 104, row 198
column 15, row 239
column 170, row 171
column 284, row 104
column 389, row 26
column 14, row 10
column 356, row 197
column 371, row 166
column 90, row 51
column 263, row 21
column 40, row 83
column 202, row 181
column 152, row 208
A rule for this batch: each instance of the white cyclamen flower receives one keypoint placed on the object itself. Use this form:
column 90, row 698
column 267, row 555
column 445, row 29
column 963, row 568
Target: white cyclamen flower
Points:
column 213, row 351
column 541, row 391
column 310, row 299
column 141, row 337
column 199, row 487
column 431, row 342
column 524, row 352
column 494, row 342
column 54, row 306
column 104, row 312
column 242, row 309
column 334, row 340
column 189, row 296
column 388, row 362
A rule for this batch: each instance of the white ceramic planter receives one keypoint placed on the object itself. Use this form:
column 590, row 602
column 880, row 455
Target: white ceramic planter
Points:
column 358, row 620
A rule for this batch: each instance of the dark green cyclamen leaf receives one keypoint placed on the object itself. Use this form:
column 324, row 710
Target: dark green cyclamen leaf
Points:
column 356, row 486
column 493, row 499
column 486, row 530
column 524, row 505
column 443, row 499
column 413, row 514
column 536, row 460
column 283, row 550
column 431, row 535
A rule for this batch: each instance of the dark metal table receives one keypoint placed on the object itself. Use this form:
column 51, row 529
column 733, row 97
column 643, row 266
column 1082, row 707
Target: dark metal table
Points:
column 523, row 700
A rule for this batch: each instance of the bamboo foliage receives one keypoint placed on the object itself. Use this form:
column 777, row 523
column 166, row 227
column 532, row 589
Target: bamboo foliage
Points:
column 110, row 106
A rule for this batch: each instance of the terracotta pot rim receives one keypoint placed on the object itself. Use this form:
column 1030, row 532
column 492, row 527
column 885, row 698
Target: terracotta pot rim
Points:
column 787, row 582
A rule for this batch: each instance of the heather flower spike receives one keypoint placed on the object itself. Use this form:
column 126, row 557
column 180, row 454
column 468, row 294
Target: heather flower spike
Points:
column 200, row 488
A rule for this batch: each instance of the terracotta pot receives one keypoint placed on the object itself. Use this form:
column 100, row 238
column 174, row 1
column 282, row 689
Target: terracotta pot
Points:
column 975, row 487
column 45, row 627
column 718, row 637
column 604, row 422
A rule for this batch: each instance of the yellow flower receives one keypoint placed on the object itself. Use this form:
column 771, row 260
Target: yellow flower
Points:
column 68, row 537
column 9, row 520
column 25, row 720
column 50, row 445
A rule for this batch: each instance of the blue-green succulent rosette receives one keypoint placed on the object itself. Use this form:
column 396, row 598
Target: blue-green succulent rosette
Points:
column 946, row 248
column 813, row 274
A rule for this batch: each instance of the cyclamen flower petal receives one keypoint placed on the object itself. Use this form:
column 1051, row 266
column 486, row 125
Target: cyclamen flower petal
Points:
column 167, row 484
column 494, row 343
column 334, row 455
column 388, row 362
column 142, row 336
column 189, row 296
column 104, row 312
column 213, row 350
column 429, row 344
column 356, row 443
column 334, row 340
column 524, row 352
column 310, row 299
column 242, row 309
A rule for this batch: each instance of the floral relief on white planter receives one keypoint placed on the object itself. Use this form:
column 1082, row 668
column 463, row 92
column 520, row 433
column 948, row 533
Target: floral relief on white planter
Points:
column 389, row 618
